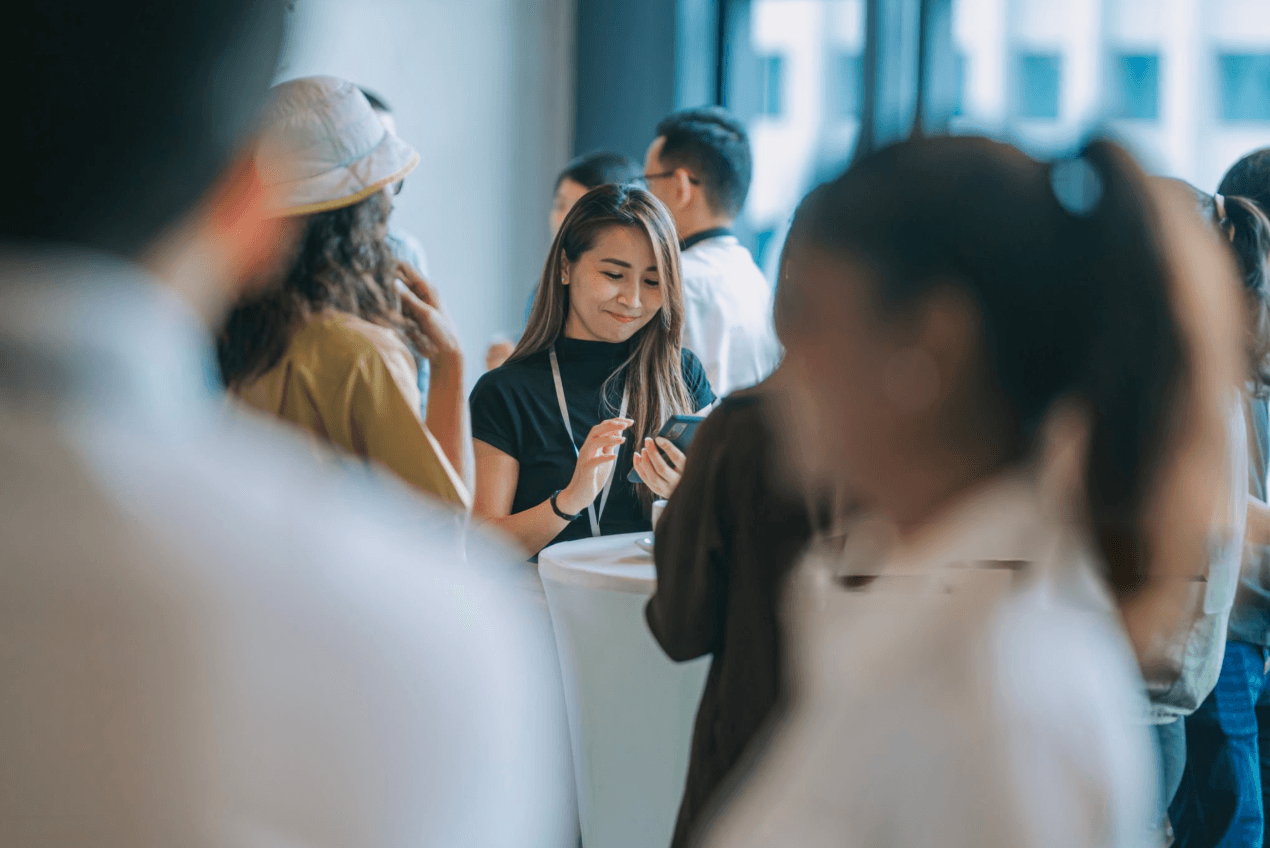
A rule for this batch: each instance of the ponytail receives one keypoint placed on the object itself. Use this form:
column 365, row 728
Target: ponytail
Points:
column 1134, row 362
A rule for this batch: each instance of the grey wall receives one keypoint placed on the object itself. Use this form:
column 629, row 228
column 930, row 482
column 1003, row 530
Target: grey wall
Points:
column 638, row 61
column 484, row 90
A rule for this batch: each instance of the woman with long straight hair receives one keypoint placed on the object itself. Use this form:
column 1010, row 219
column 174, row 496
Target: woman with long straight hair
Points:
column 1021, row 371
column 600, row 360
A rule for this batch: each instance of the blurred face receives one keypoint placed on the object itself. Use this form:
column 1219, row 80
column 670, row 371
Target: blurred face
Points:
column 874, row 398
column 568, row 193
column 614, row 288
column 835, row 355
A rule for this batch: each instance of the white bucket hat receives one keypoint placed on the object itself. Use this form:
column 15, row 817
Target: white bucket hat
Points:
column 323, row 147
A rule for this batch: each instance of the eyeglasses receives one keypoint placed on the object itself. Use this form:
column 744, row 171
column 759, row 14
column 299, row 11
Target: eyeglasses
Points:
column 691, row 178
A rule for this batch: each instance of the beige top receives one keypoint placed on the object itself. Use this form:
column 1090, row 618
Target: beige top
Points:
column 353, row 383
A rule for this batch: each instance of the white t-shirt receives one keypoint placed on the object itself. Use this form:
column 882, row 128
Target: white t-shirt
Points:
column 728, row 314
column 209, row 640
column 960, row 700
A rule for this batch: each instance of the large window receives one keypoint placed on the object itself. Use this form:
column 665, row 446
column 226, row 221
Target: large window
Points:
column 1185, row 83
column 804, row 58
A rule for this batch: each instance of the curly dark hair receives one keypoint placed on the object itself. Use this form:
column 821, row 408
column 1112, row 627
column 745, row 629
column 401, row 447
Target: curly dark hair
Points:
column 341, row 262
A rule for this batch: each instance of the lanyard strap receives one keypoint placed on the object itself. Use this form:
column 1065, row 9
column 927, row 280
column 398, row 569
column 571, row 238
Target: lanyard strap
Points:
column 568, row 428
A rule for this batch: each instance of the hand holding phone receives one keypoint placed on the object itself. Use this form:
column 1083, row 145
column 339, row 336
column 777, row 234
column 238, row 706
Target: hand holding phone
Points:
column 678, row 431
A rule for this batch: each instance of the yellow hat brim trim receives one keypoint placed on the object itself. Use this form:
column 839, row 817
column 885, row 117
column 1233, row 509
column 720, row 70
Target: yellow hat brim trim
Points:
column 340, row 203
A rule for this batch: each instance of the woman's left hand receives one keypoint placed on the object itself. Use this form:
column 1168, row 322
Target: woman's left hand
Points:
column 660, row 476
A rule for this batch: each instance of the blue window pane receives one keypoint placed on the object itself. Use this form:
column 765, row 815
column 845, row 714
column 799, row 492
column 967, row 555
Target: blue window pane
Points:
column 1038, row 84
column 772, row 77
column 846, row 87
column 1245, row 87
column 1137, row 93
column 959, row 98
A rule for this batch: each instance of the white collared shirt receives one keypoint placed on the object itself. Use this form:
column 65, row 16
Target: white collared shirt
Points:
column 728, row 314
column 980, row 692
column 209, row 640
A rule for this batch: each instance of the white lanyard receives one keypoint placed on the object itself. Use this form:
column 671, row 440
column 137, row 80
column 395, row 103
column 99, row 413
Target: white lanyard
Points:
column 568, row 428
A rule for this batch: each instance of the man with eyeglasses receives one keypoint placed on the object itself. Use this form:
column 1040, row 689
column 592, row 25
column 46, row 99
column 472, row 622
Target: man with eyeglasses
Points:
column 699, row 165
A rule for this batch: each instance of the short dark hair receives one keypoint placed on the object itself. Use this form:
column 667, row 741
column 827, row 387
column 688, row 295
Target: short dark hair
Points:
column 714, row 147
column 1249, row 177
column 126, row 113
column 377, row 103
column 604, row 168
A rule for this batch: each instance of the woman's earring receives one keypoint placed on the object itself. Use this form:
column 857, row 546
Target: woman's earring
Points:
column 911, row 379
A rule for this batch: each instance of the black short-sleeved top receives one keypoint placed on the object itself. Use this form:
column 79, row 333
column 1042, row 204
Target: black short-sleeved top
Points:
column 514, row 409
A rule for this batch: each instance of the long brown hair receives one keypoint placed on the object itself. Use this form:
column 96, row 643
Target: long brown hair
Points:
column 342, row 262
column 654, row 369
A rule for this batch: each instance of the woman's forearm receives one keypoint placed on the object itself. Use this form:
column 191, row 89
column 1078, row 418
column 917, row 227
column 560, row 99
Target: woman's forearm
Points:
column 447, row 415
column 534, row 528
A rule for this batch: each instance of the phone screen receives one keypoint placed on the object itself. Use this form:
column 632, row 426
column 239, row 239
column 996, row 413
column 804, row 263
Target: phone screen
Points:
column 679, row 430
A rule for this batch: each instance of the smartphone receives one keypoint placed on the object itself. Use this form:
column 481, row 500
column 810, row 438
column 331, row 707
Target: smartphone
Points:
column 679, row 431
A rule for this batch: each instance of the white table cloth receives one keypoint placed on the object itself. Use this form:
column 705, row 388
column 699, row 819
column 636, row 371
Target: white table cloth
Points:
column 630, row 708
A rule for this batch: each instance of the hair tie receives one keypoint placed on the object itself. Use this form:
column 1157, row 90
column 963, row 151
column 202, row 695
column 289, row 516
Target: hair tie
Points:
column 1076, row 186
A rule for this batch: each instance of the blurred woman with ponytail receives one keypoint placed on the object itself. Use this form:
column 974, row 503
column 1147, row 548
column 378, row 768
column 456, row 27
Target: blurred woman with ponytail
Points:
column 1009, row 365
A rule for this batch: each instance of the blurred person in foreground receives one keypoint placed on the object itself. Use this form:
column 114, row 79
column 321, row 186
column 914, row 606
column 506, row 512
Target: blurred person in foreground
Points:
column 1221, row 799
column 578, row 177
column 1038, row 479
column 1181, row 671
column 210, row 640
column 403, row 245
column 699, row 165
column 328, row 342
column 725, row 543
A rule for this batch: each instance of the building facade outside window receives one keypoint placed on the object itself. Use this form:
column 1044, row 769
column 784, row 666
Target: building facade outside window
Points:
column 1184, row 83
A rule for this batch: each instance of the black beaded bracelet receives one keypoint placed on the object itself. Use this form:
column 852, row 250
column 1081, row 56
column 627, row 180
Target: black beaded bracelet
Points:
column 556, row 508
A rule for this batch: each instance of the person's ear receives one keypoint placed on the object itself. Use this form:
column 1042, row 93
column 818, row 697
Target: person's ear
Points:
column 227, row 247
column 564, row 272
column 682, row 181
column 940, row 347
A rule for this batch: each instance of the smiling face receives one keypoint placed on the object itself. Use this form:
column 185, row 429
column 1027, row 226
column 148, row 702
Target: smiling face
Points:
column 614, row 288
